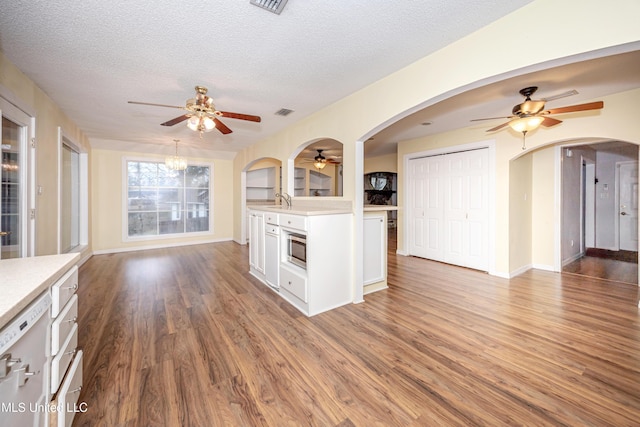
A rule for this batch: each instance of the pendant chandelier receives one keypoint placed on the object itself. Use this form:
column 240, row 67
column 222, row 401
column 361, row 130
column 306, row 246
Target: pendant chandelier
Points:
column 176, row 162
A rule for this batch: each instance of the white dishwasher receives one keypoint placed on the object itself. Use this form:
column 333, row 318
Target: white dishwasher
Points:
column 23, row 366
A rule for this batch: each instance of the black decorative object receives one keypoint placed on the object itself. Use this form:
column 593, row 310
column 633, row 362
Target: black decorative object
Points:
column 378, row 187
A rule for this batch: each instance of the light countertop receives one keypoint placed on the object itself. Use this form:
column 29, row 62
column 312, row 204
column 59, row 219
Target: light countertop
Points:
column 302, row 210
column 369, row 208
column 24, row 279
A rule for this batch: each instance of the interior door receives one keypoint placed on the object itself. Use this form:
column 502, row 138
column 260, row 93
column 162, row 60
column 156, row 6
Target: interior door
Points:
column 16, row 192
column 11, row 215
column 628, row 212
column 448, row 201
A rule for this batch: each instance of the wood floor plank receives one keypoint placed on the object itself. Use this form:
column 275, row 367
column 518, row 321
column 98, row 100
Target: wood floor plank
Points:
column 186, row 337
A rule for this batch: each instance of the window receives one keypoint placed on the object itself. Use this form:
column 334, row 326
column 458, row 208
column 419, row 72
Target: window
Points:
column 165, row 202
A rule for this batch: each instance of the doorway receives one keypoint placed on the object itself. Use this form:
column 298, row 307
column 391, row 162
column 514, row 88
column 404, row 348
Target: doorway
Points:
column 604, row 204
column 17, row 217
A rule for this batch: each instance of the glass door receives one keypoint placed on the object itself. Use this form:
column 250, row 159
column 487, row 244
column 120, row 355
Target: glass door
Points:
column 15, row 223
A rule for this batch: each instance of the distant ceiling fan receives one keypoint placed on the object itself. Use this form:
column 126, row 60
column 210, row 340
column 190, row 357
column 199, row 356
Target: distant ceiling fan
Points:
column 202, row 115
column 530, row 114
column 320, row 161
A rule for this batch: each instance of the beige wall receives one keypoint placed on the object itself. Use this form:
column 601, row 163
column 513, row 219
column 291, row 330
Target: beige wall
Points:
column 386, row 163
column 107, row 173
column 48, row 118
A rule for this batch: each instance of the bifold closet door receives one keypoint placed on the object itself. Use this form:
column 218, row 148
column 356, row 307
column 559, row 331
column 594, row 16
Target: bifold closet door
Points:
column 449, row 208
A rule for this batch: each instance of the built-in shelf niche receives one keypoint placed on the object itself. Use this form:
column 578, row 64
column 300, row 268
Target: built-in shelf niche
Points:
column 261, row 185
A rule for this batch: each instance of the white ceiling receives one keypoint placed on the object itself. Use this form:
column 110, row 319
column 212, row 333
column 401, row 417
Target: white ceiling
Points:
column 91, row 57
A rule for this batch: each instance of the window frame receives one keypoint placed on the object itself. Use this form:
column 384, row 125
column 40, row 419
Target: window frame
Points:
column 125, row 203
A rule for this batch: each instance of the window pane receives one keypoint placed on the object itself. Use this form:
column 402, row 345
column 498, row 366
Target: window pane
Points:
column 171, row 222
column 143, row 224
column 162, row 201
column 143, row 199
column 197, row 196
column 197, row 176
column 198, row 220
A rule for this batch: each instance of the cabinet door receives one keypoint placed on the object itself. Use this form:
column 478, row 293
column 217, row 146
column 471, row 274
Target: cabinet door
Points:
column 375, row 246
column 272, row 259
column 256, row 244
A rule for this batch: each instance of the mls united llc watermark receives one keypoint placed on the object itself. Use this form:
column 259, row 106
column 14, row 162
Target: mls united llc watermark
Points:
column 22, row 407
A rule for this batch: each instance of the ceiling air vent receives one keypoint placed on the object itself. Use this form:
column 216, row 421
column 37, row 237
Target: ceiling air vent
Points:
column 283, row 112
column 274, row 6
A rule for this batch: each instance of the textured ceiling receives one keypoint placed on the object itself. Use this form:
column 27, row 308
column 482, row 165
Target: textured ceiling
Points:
column 91, row 57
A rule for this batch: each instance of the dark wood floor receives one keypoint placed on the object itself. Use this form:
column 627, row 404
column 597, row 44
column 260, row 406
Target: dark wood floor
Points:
column 186, row 337
column 605, row 268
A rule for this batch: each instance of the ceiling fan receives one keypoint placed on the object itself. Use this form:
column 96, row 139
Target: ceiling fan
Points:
column 530, row 114
column 320, row 161
column 202, row 115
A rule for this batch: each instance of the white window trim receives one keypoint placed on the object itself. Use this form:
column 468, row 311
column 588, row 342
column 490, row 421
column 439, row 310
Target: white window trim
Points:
column 125, row 203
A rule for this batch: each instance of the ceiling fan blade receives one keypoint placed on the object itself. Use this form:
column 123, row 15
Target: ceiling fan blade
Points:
column 550, row 121
column 578, row 107
column 491, row 118
column 240, row 116
column 155, row 105
column 498, row 127
column 221, row 126
column 176, row 120
column 560, row 95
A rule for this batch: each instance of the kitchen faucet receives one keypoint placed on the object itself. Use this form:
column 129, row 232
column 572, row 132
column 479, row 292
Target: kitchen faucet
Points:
column 285, row 197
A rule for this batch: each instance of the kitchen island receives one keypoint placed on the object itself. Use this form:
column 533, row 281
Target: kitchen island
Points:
column 304, row 253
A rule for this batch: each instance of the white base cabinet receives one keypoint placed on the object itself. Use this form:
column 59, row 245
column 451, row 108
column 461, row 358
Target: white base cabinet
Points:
column 327, row 280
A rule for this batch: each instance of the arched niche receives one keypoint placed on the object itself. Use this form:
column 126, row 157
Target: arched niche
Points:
column 263, row 181
column 309, row 177
column 260, row 180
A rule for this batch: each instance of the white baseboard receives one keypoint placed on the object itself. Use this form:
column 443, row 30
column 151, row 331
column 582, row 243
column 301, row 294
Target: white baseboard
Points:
column 158, row 246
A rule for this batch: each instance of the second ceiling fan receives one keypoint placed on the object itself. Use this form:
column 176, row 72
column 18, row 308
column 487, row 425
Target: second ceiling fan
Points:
column 202, row 115
column 531, row 113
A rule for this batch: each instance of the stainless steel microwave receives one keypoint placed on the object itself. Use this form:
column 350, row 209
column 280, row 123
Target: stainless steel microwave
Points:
column 297, row 249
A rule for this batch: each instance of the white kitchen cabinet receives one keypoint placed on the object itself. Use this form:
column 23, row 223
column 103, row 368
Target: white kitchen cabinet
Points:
column 256, row 241
column 65, row 372
column 327, row 280
column 271, row 251
column 375, row 247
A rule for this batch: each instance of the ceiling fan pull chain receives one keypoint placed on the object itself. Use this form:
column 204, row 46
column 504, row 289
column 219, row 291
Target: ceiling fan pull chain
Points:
column 524, row 135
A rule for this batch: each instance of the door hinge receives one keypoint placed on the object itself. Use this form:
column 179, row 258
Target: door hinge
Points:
column 33, row 143
column 32, row 214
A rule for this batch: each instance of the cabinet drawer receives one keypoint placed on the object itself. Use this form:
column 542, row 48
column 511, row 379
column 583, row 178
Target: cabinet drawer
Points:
column 298, row 222
column 62, row 291
column 294, row 283
column 271, row 218
column 61, row 361
column 63, row 324
column 67, row 399
column 271, row 229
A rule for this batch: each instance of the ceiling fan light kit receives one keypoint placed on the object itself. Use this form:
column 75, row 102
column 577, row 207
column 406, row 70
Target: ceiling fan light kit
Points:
column 526, row 124
column 530, row 114
column 201, row 123
column 202, row 115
